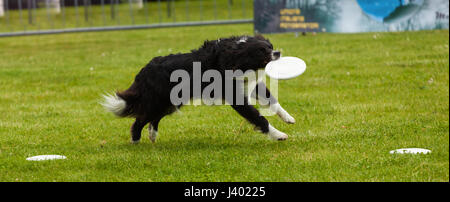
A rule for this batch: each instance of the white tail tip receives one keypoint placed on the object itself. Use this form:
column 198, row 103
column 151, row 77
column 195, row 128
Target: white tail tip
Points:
column 114, row 104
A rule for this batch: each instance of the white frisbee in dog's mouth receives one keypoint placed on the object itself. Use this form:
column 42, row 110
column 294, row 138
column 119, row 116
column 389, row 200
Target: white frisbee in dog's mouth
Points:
column 285, row 68
column 45, row 157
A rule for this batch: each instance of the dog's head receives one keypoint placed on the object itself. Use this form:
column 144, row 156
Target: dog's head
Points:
column 246, row 52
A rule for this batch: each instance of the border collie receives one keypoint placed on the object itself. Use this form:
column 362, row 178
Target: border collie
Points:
column 148, row 99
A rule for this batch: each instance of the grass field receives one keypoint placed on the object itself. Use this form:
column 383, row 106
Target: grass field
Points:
column 361, row 96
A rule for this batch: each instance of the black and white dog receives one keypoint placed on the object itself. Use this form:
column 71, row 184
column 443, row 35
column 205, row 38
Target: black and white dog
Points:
column 148, row 99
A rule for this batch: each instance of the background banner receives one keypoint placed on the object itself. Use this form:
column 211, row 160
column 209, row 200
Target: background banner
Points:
column 271, row 16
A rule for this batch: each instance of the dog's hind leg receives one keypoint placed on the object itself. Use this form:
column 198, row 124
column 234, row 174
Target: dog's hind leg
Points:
column 157, row 116
column 136, row 130
column 153, row 130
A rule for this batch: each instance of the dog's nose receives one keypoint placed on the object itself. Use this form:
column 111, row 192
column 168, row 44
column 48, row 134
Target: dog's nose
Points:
column 276, row 54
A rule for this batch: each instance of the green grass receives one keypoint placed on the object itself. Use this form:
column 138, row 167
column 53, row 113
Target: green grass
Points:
column 151, row 13
column 361, row 96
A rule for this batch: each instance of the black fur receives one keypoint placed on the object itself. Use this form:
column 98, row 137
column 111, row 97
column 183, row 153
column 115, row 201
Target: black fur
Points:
column 148, row 98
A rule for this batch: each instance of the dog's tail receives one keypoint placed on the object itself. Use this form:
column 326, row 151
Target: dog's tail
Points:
column 120, row 103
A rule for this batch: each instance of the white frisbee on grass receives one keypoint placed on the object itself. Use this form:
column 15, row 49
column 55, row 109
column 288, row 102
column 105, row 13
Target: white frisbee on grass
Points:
column 45, row 157
column 285, row 68
column 410, row 151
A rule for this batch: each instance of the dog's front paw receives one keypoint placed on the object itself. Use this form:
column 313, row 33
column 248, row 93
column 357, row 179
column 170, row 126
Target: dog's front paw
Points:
column 283, row 114
column 288, row 118
column 134, row 141
column 275, row 134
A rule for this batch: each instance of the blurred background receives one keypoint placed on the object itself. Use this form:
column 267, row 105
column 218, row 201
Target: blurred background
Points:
column 20, row 17
column 35, row 15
